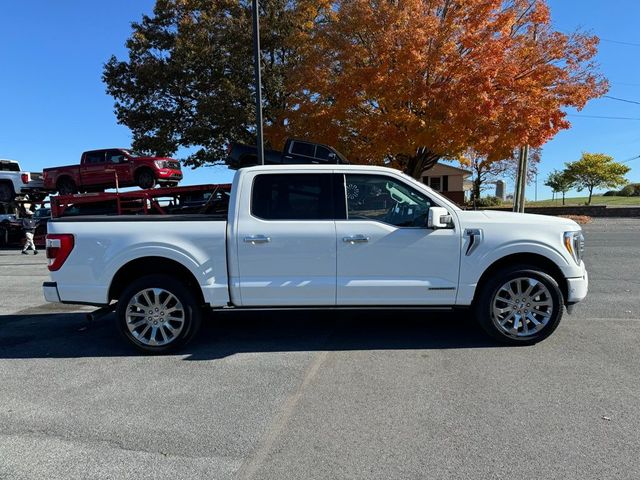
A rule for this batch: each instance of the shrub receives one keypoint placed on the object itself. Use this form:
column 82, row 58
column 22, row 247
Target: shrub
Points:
column 488, row 202
column 610, row 193
column 631, row 190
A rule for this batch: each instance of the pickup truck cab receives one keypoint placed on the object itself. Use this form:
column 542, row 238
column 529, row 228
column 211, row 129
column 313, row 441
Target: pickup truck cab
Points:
column 324, row 236
column 15, row 182
column 295, row 152
column 112, row 167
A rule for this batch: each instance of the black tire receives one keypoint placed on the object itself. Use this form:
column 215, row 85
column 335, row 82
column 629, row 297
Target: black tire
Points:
column 7, row 194
column 126, row 315
column 146, row 179
column 67, row 186
column 522, row 333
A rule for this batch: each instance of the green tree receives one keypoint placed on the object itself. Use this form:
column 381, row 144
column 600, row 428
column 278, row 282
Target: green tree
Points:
column 559, row 182
column 486, row 170
column 188, row 81
column 596, row 170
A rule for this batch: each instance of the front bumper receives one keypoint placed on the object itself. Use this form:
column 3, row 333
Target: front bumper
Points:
column 50, row 291
column 169, row 175
column 578, row 287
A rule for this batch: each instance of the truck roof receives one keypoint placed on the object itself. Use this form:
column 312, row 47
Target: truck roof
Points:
column 341, row 168
column 325, row 167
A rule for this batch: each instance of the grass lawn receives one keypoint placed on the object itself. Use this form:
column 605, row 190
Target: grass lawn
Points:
column 595, row 200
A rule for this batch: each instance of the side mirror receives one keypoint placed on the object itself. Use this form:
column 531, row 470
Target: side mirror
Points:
column 439, row 218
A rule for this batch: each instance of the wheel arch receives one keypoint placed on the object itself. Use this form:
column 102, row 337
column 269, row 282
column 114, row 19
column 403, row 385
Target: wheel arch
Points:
column 152, row 265
column 144, row 168
column 525, row 258
column 10, row 184
column 63, row 177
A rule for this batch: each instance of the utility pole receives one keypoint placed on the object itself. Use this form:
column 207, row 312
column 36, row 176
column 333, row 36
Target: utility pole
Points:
column 521, row 179
column 258, row 82
column 524, row 174
column 523, row 160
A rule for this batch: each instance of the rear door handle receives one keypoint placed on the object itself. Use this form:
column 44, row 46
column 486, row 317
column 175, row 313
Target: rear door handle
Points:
column 355, row 239
column 255, row 239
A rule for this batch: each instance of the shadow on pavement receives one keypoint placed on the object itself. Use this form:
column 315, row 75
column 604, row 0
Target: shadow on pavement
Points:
column 70, row 335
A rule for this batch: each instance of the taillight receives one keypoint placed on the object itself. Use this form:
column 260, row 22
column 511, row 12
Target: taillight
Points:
column 59, row 247
column 25, row 177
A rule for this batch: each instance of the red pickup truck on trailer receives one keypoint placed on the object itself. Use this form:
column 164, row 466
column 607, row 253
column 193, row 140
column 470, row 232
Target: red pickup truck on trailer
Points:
column 111, row 167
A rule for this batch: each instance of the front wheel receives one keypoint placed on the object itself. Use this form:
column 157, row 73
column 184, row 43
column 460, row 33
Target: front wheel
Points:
column 520, row 305
column 146, row 179
column 158, row 314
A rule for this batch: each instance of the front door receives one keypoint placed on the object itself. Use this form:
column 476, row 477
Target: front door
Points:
column 118, row 168
column 386, row 255
column 93, row 169
column 287, row 241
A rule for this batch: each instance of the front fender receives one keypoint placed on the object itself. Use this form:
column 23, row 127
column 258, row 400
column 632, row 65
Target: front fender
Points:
column 474, row 266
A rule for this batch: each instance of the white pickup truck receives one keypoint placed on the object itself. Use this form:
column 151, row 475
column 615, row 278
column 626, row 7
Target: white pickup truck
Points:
column 320, row 236
column 15, row 182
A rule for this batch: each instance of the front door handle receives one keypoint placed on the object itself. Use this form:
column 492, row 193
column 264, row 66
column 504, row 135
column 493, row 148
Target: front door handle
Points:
column 355, row 239
column 255, row 239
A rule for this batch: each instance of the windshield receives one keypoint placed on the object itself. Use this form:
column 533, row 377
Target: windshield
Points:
column 133, row 153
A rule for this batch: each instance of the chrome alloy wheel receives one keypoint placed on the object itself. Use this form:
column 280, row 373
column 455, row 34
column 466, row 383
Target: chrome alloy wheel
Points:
column 522, row 307
column 155, row 317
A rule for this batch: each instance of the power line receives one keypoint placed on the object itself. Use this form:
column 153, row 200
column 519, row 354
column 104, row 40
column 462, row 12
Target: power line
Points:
column 629, row 44
column 604, row 117
column 626, row 84
column 630, row 159
column 621, row 99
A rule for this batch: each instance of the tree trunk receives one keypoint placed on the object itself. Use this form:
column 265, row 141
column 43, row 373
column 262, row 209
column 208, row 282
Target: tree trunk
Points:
column 590, row 194
column 563, row 198
column 424, row 159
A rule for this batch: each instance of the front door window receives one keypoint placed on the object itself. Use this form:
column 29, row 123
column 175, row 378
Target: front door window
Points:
column 376, row 197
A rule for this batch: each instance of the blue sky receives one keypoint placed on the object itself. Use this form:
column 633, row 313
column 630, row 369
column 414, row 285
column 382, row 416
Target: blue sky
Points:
column 53, row 103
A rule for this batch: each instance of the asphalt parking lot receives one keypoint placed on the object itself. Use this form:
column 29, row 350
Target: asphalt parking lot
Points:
column 326, row 395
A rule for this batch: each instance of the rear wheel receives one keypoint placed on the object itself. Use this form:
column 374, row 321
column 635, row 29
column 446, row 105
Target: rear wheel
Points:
column 521, row 305
column 66, row 186
column 7, row 194
column 158, row 314
column 146, row 179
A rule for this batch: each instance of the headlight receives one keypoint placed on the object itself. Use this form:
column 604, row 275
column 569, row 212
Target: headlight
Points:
column 161, row 163
column 574, row 243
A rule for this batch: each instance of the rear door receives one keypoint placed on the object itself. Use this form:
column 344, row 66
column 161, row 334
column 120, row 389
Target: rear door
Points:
column 92, row 169
column 386, row 254
column 286, row 240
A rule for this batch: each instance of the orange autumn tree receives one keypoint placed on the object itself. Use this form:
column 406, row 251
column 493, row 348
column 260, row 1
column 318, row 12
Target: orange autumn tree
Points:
column 414, row 81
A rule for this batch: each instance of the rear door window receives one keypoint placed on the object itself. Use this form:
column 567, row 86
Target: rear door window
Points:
column 303, row 148
column 293, row 196
column 94, row 157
